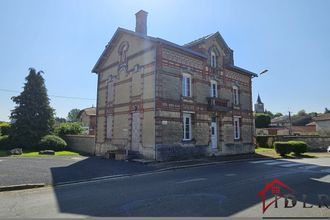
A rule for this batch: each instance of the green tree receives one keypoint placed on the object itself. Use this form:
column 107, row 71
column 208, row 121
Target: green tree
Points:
column 32, row 117
column 73, row 115
column 278, row 114
column 302, row 113
column 262, row 120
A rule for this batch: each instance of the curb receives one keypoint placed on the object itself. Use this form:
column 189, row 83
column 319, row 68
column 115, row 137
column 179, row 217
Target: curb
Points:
column 21, row 187
column 97, row 179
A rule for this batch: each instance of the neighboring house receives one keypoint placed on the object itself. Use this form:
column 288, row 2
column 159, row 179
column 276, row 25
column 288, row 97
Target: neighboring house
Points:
column 164, row 101
column 281, row 121
column 87, row 117
column 259, row 106
column 323, row 124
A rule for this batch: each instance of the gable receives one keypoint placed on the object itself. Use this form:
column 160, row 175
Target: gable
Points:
column 122, row 45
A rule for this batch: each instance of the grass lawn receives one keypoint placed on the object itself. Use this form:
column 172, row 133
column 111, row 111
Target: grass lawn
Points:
column 36, row 154
column 270, row 152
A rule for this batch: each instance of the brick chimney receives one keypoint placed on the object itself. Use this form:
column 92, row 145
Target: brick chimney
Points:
column 141, row 22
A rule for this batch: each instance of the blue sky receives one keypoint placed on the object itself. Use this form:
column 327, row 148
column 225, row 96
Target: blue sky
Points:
column 64, row 38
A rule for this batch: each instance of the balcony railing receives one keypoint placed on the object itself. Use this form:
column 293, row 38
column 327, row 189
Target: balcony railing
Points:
column 217, row 104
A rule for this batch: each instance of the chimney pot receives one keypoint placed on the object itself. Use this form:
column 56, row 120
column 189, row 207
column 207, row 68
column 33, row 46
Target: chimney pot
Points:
column 141, row 22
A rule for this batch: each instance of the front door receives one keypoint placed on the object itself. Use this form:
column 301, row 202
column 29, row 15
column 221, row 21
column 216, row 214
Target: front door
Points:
column 214, row 140
column 135, row 131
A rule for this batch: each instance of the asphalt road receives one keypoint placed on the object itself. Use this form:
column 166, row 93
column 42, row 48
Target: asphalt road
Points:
column 217, row 190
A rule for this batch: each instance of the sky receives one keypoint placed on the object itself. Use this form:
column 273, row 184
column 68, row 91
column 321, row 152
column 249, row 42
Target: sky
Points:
column 64, row 38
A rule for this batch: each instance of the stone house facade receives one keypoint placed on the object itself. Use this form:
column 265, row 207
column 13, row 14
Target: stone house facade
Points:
column 322, row 123
column 165, row 101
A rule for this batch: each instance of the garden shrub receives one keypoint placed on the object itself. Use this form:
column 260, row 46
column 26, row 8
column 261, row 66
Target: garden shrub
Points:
column 52, row 142
column 68, row 128
column 298, row 147
column 262, row 141
column 4, row 128
column 5, row 143
column 283, row 148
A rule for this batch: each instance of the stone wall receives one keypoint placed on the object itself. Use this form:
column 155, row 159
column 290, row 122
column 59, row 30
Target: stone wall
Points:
column 81, row 143
column 315, row 143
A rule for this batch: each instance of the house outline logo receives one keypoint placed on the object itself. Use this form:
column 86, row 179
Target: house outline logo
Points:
column 275, row 187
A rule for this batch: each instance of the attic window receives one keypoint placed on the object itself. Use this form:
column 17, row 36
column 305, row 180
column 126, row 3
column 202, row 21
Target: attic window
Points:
column 213, row 59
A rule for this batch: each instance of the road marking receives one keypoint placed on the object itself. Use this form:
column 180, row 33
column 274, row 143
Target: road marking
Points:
column 308, row 167
column 231, row 174
column 292, row 165
column 261, row 161
column 326, row 171
column 277, row 163
column 191, row 180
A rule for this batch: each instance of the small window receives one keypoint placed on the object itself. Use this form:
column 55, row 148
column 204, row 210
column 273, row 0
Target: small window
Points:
column 235, row 95
column 213, row 89
column 237, row 131
column 110, row 92
column 213, row 60
column 186, row 127
column 186, row 85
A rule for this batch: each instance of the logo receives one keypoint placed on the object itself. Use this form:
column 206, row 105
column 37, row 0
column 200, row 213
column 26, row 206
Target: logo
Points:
column 279, row 189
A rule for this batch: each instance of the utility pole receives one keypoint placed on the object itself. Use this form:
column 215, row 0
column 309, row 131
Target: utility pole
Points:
column 290, row 121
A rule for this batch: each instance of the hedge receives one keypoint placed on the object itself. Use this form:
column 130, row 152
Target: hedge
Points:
column 52, row 142
column 284, row 148
column 5, row 142
column 4, row 128
column 68, row 128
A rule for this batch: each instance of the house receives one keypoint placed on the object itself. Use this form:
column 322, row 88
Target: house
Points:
column 164, row 101
column 322, row 123
column 87, row 117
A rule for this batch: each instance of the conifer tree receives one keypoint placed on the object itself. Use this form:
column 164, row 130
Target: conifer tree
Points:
column 32, row 117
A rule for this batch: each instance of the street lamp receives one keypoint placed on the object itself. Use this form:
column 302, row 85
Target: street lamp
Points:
column 264, row 71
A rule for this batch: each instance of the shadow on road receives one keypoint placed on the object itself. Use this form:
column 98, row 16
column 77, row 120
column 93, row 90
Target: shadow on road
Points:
column 160, row 195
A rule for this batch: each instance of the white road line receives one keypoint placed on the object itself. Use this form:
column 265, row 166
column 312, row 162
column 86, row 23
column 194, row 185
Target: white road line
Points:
column 261, row 161
column 191, row 180
column 277, row 163
column 308, row 167
column 292, row 165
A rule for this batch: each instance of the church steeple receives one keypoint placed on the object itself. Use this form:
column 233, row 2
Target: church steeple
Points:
column 259, row 100
column 259, row 106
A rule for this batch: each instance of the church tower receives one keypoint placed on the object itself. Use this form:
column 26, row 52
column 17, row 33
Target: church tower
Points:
column 259, row 106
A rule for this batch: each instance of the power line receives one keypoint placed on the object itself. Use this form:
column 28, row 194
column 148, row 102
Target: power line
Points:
column 54, row 96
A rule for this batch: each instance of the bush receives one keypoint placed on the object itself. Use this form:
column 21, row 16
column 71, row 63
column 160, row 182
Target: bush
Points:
column 262, row 141
column 68, row 128
column 283, row 148
column 5, row 142
column 4, row 128
column 298, row 147
column 52, row 142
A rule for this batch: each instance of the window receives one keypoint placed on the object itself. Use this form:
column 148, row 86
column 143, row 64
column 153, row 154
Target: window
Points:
column 109, row 126
column 213, row 90
column 235, row 95
column 186, row 126
column 213, row 60
column 186, row 85
column 237, row 131
column 110, row 92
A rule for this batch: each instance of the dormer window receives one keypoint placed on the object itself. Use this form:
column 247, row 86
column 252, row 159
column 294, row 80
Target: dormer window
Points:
column 213, row 59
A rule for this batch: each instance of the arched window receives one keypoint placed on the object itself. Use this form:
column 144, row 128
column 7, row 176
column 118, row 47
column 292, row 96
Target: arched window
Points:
column 213, row 59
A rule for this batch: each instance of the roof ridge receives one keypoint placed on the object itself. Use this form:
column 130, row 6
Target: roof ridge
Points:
column 198, row 40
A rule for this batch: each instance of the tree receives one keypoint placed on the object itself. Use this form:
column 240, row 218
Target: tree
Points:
column 326, row 111
column 262, row 120
column 278, row 114
column 73, row 115
column 302, row 113
column 32, row 117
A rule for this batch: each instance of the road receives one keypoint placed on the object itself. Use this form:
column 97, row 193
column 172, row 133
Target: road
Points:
column 216, row 190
